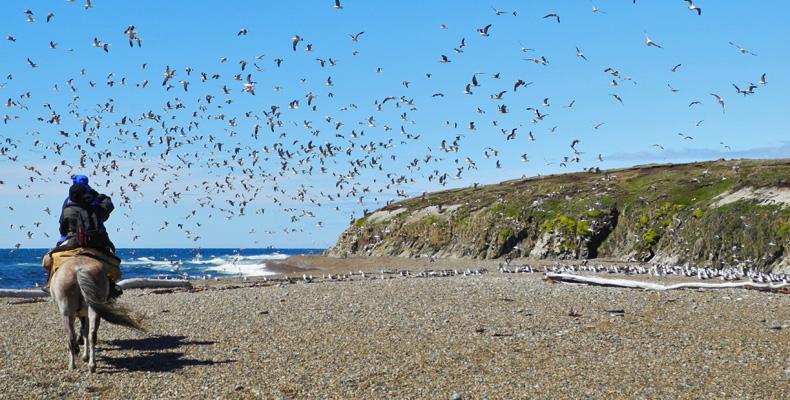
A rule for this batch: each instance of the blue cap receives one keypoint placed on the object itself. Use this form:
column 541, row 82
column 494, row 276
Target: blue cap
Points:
column 81, row 179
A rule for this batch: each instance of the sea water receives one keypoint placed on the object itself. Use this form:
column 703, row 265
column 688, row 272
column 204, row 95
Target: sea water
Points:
column 21, row 268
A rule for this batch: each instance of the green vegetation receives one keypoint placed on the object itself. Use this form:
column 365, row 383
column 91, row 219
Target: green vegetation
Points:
column 672, row 210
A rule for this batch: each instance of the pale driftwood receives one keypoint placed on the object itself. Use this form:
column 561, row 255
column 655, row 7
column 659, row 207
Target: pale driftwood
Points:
column 23, row 293
column 134, row 283
column 145, row 283
column 627, row 283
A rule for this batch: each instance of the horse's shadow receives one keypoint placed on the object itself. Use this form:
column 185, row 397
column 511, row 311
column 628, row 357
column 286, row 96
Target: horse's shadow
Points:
column 158, row 354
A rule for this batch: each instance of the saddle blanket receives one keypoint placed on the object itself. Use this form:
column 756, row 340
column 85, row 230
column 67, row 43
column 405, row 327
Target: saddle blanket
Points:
column 55, row 258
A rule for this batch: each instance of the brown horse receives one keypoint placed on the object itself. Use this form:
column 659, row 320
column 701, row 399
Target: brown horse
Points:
column 80, row 288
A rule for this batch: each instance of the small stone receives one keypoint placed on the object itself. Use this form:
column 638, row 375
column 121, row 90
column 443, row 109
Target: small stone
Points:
column 457, row 396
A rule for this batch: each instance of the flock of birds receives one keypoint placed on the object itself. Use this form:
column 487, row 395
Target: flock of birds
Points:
column 190, row 148
column 726, row 274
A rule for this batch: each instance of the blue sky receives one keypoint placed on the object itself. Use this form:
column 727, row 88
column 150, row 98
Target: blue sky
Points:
column 184, row 171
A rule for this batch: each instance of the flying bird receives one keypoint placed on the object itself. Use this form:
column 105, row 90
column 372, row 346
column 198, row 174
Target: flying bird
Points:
column 692, row 7
column 762, row 80
column 355, row 38
column 296, row 39
column 524, row 49
column 744, row 51
column 579, row 53
column 650, row 42
column 595, row 10
column 484, row 31
column 720, row 100
column 554, row 16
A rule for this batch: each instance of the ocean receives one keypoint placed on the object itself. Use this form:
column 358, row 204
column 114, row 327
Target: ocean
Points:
column 21, row 268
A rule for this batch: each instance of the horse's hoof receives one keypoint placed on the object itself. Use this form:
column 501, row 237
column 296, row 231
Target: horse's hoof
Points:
column 92, row 368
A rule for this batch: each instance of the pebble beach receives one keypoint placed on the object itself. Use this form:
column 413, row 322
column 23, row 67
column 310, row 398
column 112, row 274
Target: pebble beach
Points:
column 374, row 328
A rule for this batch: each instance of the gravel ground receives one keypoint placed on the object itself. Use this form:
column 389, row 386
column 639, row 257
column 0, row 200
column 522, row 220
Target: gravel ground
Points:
column 385, row 335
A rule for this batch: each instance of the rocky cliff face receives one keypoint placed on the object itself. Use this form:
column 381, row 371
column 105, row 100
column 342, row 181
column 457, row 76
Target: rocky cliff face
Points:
column 718, row 213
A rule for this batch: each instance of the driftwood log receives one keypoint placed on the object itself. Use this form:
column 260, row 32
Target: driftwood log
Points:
column 627, row 283
column 145, row 283
column 134, row 283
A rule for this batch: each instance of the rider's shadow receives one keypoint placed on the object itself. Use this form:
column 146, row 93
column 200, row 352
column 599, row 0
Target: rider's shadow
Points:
column 157, row 354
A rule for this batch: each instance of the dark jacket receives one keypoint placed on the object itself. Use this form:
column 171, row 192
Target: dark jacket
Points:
column 83, row 198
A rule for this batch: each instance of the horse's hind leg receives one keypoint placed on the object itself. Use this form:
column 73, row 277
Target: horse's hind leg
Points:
column 83, row 338
column 74, row 348
column 93, row 329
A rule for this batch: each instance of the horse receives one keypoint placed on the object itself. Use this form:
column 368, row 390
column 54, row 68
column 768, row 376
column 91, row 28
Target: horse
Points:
column 80, row 288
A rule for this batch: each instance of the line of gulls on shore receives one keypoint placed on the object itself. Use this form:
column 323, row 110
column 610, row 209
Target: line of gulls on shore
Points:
column 728, row 274
column 657, row 270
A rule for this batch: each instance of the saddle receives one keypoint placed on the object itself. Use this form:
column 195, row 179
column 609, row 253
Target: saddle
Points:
column 55, row 258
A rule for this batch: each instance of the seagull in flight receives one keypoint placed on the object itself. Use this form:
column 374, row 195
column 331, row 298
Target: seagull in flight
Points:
column 650, row 42
column 720, row 100
column 692, row 7
column 762, row 80
column 579, row 53
column 553, row 15
column 595, row 10
column 744, row 51
column 296, row 39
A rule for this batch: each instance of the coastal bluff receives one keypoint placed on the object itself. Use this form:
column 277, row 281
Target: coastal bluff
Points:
column 723, row 213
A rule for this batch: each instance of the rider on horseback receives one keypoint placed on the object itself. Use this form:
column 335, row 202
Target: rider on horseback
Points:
column 82, row 222
column 83, row 198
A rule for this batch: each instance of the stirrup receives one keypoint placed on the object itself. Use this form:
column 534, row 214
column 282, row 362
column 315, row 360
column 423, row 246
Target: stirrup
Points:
column 115, row 291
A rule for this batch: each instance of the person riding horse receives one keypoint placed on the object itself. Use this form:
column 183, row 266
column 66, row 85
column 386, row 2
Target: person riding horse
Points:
column 85, row 203
column 82, row 197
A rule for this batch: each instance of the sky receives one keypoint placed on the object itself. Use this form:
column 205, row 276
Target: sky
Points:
column 258, row 139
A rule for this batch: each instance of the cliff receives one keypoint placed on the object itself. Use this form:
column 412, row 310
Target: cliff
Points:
column 717, row 213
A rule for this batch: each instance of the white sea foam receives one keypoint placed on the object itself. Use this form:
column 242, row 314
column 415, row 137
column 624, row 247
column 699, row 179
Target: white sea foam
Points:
column 241, row 269
column 244, row 265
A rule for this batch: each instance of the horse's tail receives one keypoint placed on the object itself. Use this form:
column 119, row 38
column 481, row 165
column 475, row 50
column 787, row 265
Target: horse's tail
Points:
column 107, row 309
